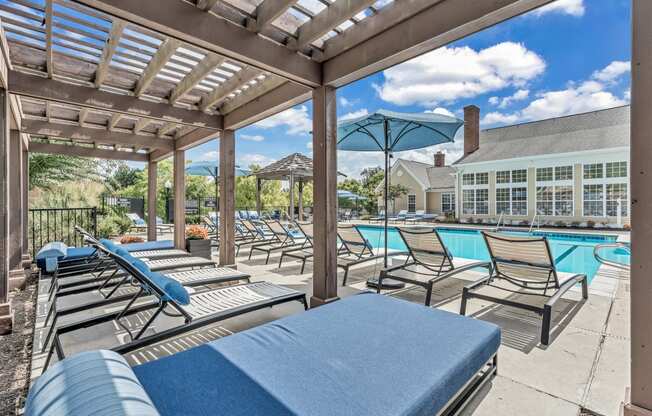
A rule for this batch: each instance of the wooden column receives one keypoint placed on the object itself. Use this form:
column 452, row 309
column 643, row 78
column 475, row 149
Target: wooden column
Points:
column 301, row 200
column 152, row 170
column 641, row 180
column 6, row 315
column 180, row 199
column 259, row 188
column 291, row 195
column 227, row 197
column 15, row 153
column 324, row 140
column 24, row 184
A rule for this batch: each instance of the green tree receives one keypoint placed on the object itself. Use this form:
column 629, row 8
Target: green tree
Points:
column 395, row 192
column 48, row 171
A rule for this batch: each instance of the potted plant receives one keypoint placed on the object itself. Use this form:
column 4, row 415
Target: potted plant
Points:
column 129, row 239
column 197, row 242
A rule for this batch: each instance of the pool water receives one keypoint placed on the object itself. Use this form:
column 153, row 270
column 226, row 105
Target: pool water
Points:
column 573, row 253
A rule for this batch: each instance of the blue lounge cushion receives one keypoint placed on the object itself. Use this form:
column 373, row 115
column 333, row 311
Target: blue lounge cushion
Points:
column 149, row 245
column 89, row 384
column 110, row 245
column 52, row 253
column 139, row 221
column 75, row 253
column 332, row 360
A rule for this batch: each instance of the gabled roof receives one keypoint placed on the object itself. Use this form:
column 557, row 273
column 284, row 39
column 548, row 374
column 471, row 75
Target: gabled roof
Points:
column 429, row 176
column 300, row 166
column 602, row 129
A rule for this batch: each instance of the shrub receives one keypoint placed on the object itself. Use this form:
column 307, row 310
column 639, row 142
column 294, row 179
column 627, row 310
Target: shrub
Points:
column 524, row 223
column 627, row 227
column 560, row 224
column 575, row 224
column 193, row 219
column 195, row 232
column 590, row 224
column 113, row 224
column 128, row 239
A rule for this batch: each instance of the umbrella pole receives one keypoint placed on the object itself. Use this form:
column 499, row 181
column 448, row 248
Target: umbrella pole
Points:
column 386, row 128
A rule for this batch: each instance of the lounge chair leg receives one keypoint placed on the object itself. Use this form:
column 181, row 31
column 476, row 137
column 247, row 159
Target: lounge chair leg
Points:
column 51, row 330
column 465, row 294
column 303, row 266
column 280, row 261
column 428, row 294
column 267, row 259
column 346, row 274
column 381, row 275
column 545, row 324
column 250, row 252
column 585, row 288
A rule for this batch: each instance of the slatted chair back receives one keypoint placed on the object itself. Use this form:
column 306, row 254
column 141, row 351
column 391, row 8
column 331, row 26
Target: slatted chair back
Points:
column 427, row 248
column 307, row 229
column 524, row 261
column 353, row 240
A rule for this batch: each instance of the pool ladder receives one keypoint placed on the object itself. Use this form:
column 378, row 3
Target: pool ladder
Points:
column 535, row 218
column 602, row 260
column 498, row 223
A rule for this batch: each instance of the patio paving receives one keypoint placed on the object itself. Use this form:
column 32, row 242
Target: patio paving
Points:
column 584, row 369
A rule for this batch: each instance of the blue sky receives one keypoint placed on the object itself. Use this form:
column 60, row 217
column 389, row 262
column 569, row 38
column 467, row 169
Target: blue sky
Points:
column 573, row 56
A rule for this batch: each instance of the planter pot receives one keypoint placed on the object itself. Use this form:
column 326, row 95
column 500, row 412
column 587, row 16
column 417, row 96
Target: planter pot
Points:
column 199, row 248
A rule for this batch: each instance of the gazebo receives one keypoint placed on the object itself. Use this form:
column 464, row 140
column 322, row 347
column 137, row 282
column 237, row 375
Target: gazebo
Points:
column 295, row 168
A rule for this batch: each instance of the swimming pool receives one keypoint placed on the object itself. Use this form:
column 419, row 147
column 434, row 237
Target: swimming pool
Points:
column 573, row 253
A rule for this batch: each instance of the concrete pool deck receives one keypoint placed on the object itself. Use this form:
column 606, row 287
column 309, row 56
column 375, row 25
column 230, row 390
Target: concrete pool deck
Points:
column 584, row 369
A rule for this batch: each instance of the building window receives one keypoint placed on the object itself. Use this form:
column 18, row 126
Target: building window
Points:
column 412, row 203
column 564, row 201
column 519, row 201
column 544, row 174
column 448, row 202
column 616, row 192
column 593, row 200
column 468, row 179
column 502, row 201
column 468, row 201
column 502, row 176
column 545, row 200
column 482, row 201
column 482, row 178
column 564, row 173
column 519, row 176
column 593, row 171
column 616, row 169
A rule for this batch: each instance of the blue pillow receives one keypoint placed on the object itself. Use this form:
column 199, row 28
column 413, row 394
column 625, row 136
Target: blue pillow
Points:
column 110, row 245
column 173, row 290
column 140, row 221
column 125, row 254
column 140, row 265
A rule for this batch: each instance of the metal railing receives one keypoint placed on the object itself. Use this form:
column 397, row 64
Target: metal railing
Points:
column 58, row 224
column 600, row 259
column 535, row 218
column 502, row 214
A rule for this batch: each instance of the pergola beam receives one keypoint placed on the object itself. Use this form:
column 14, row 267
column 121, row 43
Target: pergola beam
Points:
column 267, row 12
column 220, row 93
column 434, row 27
column 186, row 22
column 206, row 5
column 187, row 141
column 48, row 38
column 199, row 72
column 332, row 16
column 73, row 132
column 254, row 91
column 286, row 96
column 50, row 90
column 62, row 149
column 158, row 61
column 107, row 54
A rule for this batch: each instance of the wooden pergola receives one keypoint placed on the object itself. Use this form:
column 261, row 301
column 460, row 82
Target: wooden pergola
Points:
column 146, row 80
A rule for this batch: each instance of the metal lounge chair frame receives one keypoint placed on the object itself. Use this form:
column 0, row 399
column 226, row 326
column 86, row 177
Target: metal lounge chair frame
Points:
column 518, row 261
column 304, row 252
column 211, row 306
column 284, row 240
column 253, row 234
column 426, row 249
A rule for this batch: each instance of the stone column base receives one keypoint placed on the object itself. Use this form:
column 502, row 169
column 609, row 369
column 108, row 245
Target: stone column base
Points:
column 315, row 301
column 629, row 409
column 17, row 279
column 27, row 261
column 6, row 319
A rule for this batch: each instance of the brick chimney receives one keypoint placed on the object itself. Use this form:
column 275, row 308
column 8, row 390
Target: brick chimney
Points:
column 471, row 129
column 440, row 159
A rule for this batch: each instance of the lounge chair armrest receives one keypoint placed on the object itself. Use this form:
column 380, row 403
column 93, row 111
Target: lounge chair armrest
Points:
column 565, row 287
column 466, row 267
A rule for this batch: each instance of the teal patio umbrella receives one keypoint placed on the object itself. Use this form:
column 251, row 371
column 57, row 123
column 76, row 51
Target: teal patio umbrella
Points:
column 211, row 169
column 388, row 131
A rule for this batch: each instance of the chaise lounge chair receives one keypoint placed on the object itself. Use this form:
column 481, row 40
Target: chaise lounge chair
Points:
column 315, row 363
column 284, row 239
column 197, row 309
column 378, row 218
column 304, row 252
column 416, row 217
column 401, row 216
column 525, row 263
column 428, row 262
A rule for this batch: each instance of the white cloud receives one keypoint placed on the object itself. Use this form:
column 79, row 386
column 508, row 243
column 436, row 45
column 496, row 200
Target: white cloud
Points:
column 345, row 102
column 496, row 117
column 295, row 119
column 519, row 95
column 252, row 138
column 441, row 110
column 213, row 155
column 309, row 144
column 628, row 95
column 447, row 74
column 572, row 7
column 354, row 114
column 249, row 159
column 612, row 72
column 494, row 100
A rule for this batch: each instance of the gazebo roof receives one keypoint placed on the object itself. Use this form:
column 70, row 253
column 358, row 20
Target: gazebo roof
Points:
column 296, row 163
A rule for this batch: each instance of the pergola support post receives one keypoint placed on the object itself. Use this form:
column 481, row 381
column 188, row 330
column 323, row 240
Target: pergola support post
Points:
column 16, row 270
column 324, row 139
column 227, row 197
column 640, row 401
column 24, row 186
column 300, row 202
column 6, row 314
column 151, row 200
column 180, row 199
column 259, row 187
column 291, row 207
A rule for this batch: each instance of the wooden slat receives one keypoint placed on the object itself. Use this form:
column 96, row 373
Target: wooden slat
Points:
column 60, row 149
column 109, row 50
column 158, row 61
column 198, row 73
column 254, row 91
column 267, row 12
column 206, row 5
column 220, row 93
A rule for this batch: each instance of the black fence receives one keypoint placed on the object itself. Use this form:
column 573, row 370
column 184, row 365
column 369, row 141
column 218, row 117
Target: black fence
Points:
column 131, row 205
column 58, row 224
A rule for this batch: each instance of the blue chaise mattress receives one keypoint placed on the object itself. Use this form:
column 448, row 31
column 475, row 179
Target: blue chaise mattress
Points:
column 363, row 355
column 149, row 245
